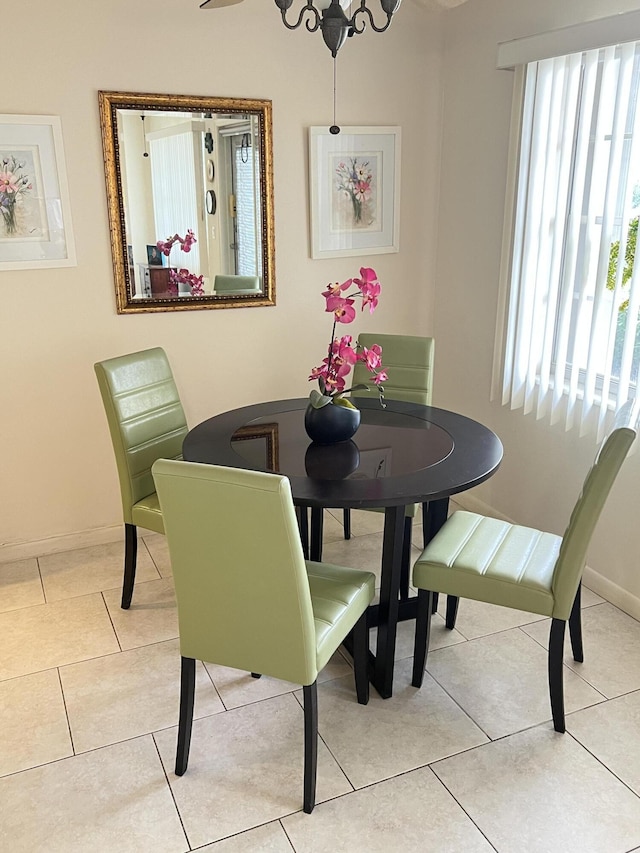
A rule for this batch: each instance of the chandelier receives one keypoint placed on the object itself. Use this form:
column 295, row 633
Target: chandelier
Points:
column 329, row 17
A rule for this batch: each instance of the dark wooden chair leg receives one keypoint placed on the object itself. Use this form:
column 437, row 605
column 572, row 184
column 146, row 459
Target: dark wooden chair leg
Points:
column 421, row 642
column 303, row 526
column 310, row 700
column 361, row 658
column 556, row 681
column 317, row 526
column 426, row 524
column 130, row 557
column 452, row 611
column 405, row 567
column 575, row 627
column 187, row 694
column 346, row 520
column 434, row 515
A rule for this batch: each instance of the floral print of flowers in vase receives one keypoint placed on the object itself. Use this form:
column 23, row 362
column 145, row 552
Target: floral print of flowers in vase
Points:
column 14, row 184
column 354, row 178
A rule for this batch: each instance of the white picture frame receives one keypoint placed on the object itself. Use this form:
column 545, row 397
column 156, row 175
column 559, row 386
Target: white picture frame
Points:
column 354, row 191
column 35, row 213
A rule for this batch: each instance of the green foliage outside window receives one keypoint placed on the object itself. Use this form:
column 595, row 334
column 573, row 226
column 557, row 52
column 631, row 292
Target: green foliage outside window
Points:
column 627, row 272
column 629, row 257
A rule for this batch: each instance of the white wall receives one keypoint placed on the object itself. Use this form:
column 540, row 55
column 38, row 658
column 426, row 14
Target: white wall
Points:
column 58, row 476
column 543, row 467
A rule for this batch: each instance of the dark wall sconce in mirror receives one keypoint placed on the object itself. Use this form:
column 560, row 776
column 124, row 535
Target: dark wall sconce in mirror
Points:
column 193, row 177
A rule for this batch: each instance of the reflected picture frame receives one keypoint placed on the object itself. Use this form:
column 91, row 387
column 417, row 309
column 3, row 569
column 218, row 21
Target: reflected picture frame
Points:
column 35, row 211
column 354, row 183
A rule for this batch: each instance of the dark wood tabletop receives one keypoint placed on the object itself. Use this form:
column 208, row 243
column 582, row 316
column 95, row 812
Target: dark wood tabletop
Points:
column 405, row 453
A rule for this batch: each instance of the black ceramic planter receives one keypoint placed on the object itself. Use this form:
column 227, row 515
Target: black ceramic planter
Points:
column 331, row 423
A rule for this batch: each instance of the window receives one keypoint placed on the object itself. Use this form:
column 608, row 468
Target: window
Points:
column 175, row 158
column 571, row 349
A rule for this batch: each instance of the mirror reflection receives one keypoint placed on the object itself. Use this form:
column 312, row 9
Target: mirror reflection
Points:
column 189, row 186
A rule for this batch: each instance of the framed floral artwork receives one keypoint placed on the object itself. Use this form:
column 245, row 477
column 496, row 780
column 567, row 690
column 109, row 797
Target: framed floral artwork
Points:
column 354, row 191
column 35, row 214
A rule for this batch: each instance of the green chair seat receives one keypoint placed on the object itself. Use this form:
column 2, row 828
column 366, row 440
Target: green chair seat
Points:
column 147, row 514
column 246, row 597
column 334, row 591
column 236, row 284
column 493, row 561
column 490, row 560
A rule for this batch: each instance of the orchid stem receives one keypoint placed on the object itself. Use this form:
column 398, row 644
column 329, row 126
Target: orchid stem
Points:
column 333, row 334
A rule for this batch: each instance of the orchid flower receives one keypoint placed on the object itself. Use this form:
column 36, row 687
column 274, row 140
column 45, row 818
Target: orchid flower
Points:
column 336, row 289
column 371, row 357
column 342, row 309
column 342, row 353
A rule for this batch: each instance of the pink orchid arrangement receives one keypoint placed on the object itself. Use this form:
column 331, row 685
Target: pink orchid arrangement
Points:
column 342, row 354
column 182, row 276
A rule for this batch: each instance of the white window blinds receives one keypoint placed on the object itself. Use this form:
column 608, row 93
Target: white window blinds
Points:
column 572, row 346
column 173, row 175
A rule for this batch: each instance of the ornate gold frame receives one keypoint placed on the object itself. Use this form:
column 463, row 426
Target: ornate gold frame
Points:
column 109, row 103
column 270, row 433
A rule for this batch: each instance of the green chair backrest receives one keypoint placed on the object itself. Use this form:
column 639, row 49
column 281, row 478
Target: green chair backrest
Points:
column 240, row 575
column 145, row 417
column 596, row 488
column 233, row 283
column 408, row 361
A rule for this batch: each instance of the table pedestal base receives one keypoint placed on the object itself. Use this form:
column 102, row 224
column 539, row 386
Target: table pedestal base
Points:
column 392, row 607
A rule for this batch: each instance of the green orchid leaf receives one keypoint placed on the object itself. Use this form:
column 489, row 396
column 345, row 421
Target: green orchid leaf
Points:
column 319, row 400
column 342, row 401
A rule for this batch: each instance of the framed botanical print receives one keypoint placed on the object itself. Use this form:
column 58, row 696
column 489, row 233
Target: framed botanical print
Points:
column 35, row 214
column 354, row 191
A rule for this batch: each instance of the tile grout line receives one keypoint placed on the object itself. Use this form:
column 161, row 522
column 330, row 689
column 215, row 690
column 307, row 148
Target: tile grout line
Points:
column 493, row 847
column 566, row 665
column 175, row 804
column 286, row 834
column 601, row 762
column 66, row 711
column 155, row 565
column 218, row 694
column 113, row 627
column 44, row 594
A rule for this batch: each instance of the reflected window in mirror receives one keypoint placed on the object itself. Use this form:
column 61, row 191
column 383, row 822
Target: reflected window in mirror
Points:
column 190, row 178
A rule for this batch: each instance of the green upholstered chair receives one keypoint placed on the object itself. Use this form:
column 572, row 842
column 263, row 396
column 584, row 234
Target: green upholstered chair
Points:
column 236, row 284
column 246, row 598
column 490, row 560
column 146, row 422
column 408, row 361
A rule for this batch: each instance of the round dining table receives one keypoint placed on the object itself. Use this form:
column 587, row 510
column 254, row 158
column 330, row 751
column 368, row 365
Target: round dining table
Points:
column 402, row 454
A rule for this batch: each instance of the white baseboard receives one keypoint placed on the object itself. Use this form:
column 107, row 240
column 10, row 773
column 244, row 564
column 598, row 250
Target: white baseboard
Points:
column 474, row 504
column 10, row 553
column 67, row 542
column 609, row 590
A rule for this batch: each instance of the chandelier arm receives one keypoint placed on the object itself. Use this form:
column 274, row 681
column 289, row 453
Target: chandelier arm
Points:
column 309, row 24
column 365, row 11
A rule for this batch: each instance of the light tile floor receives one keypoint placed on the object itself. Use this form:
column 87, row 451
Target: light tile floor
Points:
column 89, row 705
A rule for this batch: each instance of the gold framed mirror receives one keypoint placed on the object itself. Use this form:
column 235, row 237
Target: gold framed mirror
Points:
column 190, row 199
